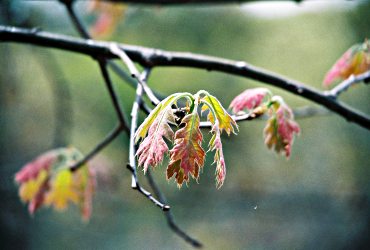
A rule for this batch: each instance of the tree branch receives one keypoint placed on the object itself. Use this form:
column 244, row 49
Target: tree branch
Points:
column 113, row 95
column 154, row 57
column 184, row 2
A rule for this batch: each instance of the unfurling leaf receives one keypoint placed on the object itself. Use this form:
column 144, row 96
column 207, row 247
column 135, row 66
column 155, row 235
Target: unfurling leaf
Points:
column 215, row 144
column 48, row 181
column 187, row 156
column 354, row 61
column 151, row 151
column 280, row 128
column 144, row 127
column 109, row 15
column 225, row 121
column 250, row 99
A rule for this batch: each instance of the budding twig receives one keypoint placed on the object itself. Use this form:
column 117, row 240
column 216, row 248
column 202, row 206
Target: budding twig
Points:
column 343, row 86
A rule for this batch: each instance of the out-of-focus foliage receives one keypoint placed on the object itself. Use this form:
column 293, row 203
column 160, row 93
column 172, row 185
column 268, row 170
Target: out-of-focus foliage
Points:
column 109, row 14
column 47, row 181
column 354, row 61
column 320, row 197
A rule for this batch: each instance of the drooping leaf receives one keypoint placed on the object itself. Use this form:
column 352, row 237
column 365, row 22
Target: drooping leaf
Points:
column 215, row 144
column 280, row 128
column 187, row 156
column 152, row 149
column 164, row 104
column 250, row 99
column 354, row 61
column 226, row 122
column 109, row 15
column 84, row 182
column 48, row 181
column 61, row 191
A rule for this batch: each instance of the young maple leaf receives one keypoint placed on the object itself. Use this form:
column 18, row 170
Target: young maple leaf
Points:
column 144, row 127
column 354, row 61
column 249, row 99
column 215, row 144
column 225, row 121
column 152, row 149
column 48, row 181
column 187, row 156
column 280, row 128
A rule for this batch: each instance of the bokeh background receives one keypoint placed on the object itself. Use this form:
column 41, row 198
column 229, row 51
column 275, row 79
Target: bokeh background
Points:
column 319, row 199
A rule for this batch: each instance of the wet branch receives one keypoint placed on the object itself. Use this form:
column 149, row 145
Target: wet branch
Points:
column 153, row 57
column 184, row 2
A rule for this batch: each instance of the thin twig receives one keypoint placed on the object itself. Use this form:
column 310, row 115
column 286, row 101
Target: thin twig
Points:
column 343, row 86
column 84, row 33
column 168, row 214
column 132, row 159
column 147, row 194
column 153, row 57
column 101, row 60
column 76, row 21
column 123, row 124
column 113, row 95
column 115, row 49
column 134, row 121
column 100, row 146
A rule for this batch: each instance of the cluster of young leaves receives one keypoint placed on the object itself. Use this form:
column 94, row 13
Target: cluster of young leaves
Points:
column 280, row 127
column 355, row 61
column 187, row 155
column 48, row 181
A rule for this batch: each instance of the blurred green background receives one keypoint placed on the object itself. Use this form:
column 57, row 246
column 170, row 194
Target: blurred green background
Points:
column 319, row 199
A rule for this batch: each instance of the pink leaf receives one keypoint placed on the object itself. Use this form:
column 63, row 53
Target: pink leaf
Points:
column 151, row 151
column 354, row 61
column 215, row 144
column 48, row 181
column 249, row 99
column 32, row 169
column 280, row 129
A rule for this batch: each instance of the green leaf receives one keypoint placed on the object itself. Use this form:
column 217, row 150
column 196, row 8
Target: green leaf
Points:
column 226, row 122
